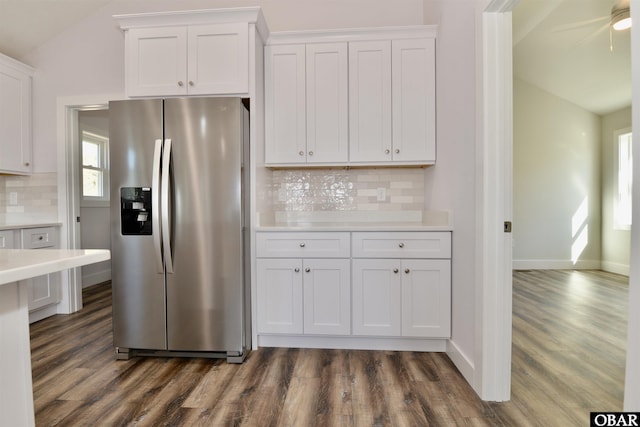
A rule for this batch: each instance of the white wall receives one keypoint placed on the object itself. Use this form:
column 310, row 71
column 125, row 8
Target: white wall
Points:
column 88, row 59
column 556, row 181
column 615, row 243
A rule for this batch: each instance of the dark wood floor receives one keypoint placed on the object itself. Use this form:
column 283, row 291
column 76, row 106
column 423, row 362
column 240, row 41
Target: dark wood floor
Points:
column 569, row 335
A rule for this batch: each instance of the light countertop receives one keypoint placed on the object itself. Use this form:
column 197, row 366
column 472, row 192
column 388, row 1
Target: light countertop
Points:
column 20, row 264
column 16, row 225
column 355, row 226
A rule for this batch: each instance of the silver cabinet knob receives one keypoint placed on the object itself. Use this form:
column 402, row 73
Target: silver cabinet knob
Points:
column 191, row 83
column 41, row 238
column 311, row 153
column 395, row 270
column 397, row 150
column 297, row 270
column 301, row 153
column 302, row 245
column 180, row 83
column 401, row 245
column 406, row 270
column 387, row 151
column 307, row 269
column 27, row 164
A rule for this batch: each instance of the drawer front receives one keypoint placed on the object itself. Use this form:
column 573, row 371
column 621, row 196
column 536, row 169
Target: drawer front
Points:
column 37, row 238
column 6, row 239
column 424, row 244
column 300, row 245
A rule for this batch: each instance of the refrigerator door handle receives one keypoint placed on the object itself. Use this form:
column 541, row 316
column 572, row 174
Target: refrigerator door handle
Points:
column 155, row 206
column 166, row 211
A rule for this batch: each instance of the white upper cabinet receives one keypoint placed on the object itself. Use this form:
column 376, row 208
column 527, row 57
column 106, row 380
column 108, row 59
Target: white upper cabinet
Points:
column 370, row 101
column 193, row 60
column 414, row 99
column 190, row 53
column 354, row 97
column 327, row 103
column 15, row 117
column 307, row 101
column 285, row 114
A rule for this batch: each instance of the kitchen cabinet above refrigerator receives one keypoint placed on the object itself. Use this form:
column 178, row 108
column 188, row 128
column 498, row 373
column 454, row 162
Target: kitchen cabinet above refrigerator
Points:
column 351, row 98
column 202, row 52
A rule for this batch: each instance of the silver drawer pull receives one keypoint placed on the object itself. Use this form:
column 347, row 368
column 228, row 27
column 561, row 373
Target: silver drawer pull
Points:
column 180, row 83
column 311, row 153
column 302, row 245
column 191, row 83
column 301, row 153
column 397, row 151
column 395, row 270
column 307, row 269
column 401, row 245
column 297, row 270
column 387, row 151
column 406, row 270
column 41, row 238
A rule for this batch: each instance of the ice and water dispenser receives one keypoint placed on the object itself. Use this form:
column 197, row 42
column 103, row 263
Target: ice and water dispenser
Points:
column 135, row 210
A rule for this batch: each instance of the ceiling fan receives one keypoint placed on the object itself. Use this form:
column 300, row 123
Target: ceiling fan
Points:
column 618, row 20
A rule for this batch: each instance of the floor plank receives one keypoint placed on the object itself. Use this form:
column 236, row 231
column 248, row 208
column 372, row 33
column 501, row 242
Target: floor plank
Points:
column 569, row 344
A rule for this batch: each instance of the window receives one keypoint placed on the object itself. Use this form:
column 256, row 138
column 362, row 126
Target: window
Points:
column 95, row 167
column 622, row 206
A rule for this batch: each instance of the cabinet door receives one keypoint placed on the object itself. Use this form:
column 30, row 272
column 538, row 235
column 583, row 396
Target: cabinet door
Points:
column 376, row 297
column 156, row 61
column 327, row 103
column 414, row 107
column 285, row 114
column 327, row 296
column 15, row 121
column 370, row 101
column 279, row 283
column 426, row 298
column 218, row 59
column 43, row 291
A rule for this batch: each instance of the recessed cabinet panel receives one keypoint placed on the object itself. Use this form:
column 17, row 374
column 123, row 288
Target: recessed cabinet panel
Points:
column 15, row 117
column 430, row 244
column 285, row 114
column 279, row 286
column 218, row 60
column 414, row 106
column 157, row 61
column 327, row 103
column 370, row 101
column 426, row 298
column 287, row 244
column 376, row 297
column 327, row 296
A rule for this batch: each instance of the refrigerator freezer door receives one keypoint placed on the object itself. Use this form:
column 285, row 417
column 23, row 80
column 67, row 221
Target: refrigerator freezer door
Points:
column 205, row 290
column 139, row 319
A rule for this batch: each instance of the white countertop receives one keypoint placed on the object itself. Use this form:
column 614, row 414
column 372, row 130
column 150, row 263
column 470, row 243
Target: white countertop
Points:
column 14, row 225
column 355, row 226
column 20, row 264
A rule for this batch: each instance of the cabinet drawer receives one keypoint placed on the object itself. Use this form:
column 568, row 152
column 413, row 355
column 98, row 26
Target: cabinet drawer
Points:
column 6, row 239
column 427, row 244
column 299, row 245
column 37, row 238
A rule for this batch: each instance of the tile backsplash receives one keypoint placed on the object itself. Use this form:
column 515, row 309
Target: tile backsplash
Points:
column 376, row 193
column 30, row 198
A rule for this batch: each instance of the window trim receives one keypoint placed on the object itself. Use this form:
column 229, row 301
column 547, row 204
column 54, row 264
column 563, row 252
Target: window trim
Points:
column 617, row 225
column 103, row 141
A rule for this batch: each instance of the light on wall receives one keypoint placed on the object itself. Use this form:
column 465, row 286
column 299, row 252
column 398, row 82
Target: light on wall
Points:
column 620, row 18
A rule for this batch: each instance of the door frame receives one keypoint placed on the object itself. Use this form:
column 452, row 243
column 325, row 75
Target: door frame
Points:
column 67, row 109
column 492, row 376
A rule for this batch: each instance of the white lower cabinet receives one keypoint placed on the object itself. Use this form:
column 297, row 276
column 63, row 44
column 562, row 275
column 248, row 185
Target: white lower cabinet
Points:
column 355, row 285
column 409, row 298
column 44, row 291
column 304, row 295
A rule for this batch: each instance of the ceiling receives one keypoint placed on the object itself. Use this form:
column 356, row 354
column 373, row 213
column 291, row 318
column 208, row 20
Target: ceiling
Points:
column 563, row 47
column 573, row 63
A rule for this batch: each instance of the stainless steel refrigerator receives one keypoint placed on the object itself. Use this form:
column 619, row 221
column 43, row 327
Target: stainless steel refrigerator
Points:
column 178, row 196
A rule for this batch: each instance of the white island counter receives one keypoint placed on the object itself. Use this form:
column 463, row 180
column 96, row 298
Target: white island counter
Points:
column 16, row 390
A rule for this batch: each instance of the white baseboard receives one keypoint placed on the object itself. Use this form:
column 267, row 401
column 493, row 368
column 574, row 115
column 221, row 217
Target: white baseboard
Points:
column 95, row 278
column 552, row 264
column 462, row 362
column 613, row 267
